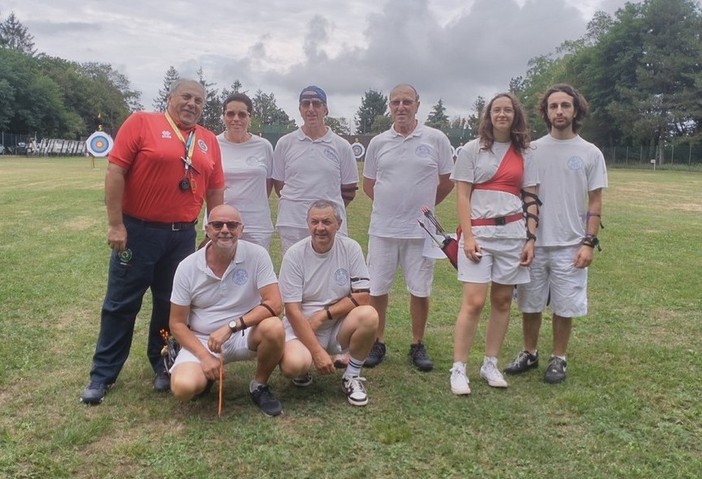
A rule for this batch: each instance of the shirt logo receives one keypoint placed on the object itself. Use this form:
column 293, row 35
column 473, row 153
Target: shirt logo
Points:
column 166, row 135
column 203, row 146
column 575, row 163
column 422, row 151
column 341, row 277
column 331, row 154
column 253, row 161
column 240, row 276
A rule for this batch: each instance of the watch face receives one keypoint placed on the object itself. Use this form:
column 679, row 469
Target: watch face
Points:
column 232, row 325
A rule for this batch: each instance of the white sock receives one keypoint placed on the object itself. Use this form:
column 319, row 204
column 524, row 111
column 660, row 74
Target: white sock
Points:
column 254, row 385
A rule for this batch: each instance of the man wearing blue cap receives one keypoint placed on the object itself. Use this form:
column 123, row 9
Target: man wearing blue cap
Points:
column 309, row 164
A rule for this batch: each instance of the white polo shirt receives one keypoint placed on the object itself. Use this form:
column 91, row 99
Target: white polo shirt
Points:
column 311, row 170
column 406, row 172
column 213, row 301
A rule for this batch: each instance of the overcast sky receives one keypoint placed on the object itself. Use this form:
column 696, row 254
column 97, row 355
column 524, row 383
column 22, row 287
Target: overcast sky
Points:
column 449, row 49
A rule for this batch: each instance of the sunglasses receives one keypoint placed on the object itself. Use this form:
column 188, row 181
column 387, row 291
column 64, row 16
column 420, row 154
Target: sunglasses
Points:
column 313, row 103
column 242, row 115
column 218, row 225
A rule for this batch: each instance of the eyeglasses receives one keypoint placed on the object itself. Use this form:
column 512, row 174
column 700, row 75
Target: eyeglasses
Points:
column 506, row 111
column 218, row 225
column 242, row 115
column 405, row 102
column 313, row 103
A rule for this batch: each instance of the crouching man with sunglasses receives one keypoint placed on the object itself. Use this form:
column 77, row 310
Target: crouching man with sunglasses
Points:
column 224, row 307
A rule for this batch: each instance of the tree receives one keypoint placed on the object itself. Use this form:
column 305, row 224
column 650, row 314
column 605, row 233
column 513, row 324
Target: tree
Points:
column 14, row 35
column 235, row 88
column 340, row 126
column 438, row 118
column 380, row 124
column 266, row 111
column 373, row 104
column 212, row 109
column 473, row 122
column 161, row 101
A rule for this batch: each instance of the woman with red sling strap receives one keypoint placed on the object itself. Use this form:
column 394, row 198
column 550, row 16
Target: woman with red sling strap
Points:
column 494, row 251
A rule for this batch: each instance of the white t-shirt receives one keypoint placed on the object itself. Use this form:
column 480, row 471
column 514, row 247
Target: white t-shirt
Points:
column 406, row 172
column 213, row 301
column 476, row 166
column 315, row 280
column 311, row 170
column 246, row 167
column 567, row 170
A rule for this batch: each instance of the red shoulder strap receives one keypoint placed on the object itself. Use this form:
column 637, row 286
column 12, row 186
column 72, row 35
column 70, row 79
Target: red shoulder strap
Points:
column 509, row 174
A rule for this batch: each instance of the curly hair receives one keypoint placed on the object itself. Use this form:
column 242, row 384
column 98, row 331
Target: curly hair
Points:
column 579, row 103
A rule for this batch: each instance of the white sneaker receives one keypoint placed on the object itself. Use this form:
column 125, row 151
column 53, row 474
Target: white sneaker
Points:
column 354, row 390
column 460, row 385
column 493, row 376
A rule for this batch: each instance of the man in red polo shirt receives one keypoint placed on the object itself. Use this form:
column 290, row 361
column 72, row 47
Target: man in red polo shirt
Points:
column 162, row 168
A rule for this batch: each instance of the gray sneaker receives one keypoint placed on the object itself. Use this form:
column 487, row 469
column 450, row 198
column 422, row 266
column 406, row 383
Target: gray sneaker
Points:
column 523, row 362
column 94, row 393
column 555, row 370
column 376, row 355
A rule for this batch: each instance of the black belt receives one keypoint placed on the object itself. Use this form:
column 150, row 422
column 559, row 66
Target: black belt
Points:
column 162, row 226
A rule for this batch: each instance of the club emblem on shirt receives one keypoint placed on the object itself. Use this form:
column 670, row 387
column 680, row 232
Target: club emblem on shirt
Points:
column 240, row 276
column 575, row 163
column 422, row 151
column 341, row 277
column 331, row 154
column 253, row 161
column 166, row 135
column 203, row 146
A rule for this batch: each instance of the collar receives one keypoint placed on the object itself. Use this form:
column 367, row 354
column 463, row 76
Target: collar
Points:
column 300, row 135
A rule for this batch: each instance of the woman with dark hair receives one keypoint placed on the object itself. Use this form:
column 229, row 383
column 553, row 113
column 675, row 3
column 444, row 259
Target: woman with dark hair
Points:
column 247, row 163
column 496, row 244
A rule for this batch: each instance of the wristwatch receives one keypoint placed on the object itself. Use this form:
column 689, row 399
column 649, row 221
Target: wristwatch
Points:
column 233, row 326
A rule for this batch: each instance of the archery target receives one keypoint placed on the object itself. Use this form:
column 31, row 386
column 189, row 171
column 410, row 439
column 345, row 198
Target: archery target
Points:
column 99, row 144
column 358, row 150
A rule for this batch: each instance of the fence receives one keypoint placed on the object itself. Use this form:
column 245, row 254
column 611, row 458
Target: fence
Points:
column 686, row 155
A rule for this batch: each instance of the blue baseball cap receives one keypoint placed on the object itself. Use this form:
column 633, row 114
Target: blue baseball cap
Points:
column 311, row 92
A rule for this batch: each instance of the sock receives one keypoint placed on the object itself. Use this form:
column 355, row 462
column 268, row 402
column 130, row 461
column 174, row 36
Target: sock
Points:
column 560, row 357
column 254, row 385
column 459, row 364
column 354, row 367
column 490, row 359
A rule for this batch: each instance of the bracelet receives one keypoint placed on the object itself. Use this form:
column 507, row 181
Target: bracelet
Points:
column 355, row 303
column 270, row 310
column 329, row 315
column 243, row 325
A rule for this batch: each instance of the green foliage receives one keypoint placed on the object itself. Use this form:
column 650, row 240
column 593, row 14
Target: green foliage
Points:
column 15, row 36
column 373, row 105
column 340, row 126
column 266, row 111
column 437, row 117
column 161, row 101
column 629, row 409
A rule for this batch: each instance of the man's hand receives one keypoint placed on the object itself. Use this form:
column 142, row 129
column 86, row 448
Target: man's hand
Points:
column 584, row 257
column 117, row 237
column 210, row 367
column 218, row 338
column 323, row 362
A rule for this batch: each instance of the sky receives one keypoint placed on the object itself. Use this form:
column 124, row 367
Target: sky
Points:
column 453, row 50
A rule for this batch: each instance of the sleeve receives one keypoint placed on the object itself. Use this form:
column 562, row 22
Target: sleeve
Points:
column 278, row 169
column 291, row 278
column 370, row 165
column 268, row 157
column 265, row 274
column 445, row 160
column 360, row 279
column 531, row 173
column 127, row 142
column 464, row 169
column 180, row 294
column 597, row 174
column 349, row 167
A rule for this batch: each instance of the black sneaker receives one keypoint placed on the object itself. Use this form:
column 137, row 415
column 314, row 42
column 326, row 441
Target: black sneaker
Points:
column 162, row 382
column 555, row 370
column 523, row 362
column 420, row 358
column 266, row 401
column 376, row 355
column 94, row 393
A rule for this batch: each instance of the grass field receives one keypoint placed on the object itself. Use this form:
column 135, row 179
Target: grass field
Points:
column 630, row 408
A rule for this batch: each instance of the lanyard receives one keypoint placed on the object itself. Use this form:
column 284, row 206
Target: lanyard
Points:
column 189, row 143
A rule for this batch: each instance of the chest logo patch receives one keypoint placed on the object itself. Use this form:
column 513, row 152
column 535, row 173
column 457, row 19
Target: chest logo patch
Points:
column 240, row 277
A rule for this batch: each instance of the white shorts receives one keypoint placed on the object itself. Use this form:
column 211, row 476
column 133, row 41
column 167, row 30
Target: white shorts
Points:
column 553, row 271
column 259, row 238
column 385, row 255
column 327, row 337
column 499, row 263
column 289, row 235
column 234, row 349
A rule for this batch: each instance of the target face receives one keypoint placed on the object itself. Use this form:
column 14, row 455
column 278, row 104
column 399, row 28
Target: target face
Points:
column 358, row 150
column 99, row 144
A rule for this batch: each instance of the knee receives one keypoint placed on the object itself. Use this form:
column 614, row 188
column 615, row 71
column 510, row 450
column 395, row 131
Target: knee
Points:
column 272, row 331
column 367, row 318
column 184, row 387
column 294, row 364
